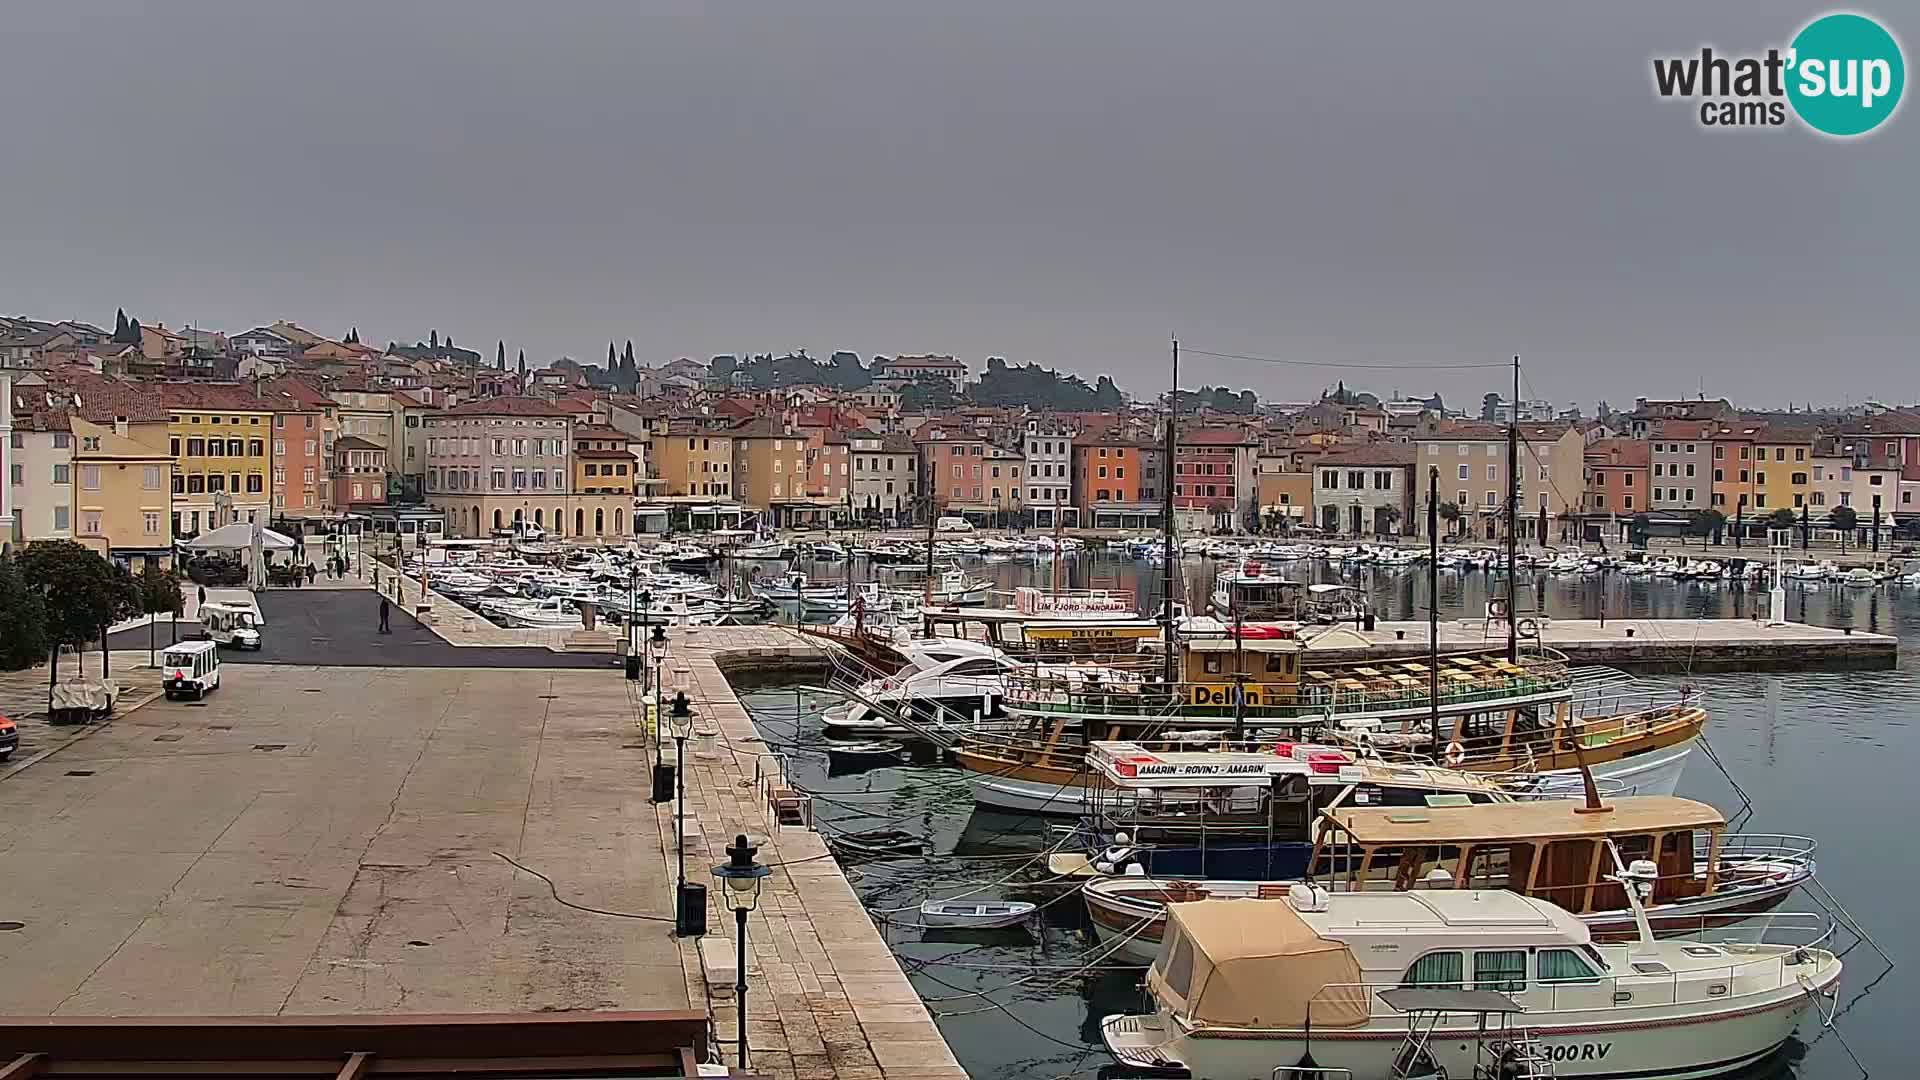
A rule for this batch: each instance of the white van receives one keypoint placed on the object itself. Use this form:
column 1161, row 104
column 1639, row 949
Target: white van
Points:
column 953, row 524
column 231, row 624
column 189, row 669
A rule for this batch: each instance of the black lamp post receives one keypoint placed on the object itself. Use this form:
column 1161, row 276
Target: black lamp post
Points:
column 663, row 773
column 690, row 910
column 740, row 877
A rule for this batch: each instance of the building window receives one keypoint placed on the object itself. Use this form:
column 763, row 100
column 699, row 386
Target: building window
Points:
column 255, row 483
column 60, row 516
column 90, row 477
column 62, row 474
column 1464, row 475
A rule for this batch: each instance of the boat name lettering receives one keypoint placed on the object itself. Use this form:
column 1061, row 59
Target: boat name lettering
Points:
column 1203, row 694
column 1580, row 1052
column 1242, row 768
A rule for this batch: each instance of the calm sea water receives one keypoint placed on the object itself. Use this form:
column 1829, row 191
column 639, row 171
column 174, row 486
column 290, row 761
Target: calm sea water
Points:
column 1822, row 755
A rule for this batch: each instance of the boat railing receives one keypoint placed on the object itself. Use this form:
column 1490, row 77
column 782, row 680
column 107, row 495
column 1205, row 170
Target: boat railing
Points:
column 1524, row 749
column 1758, row 851
column 1112, row 690
column 1310, row 1072
column 1756, row 965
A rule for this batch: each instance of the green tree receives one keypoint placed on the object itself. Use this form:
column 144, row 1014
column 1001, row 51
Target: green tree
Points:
column 159, row 591
column 928, row 393
column 499, row 354
column 1781, row 519
column 82, row 593
column 120, row 324
column 1450, row 513
column 23, row 619
column 1390, row 515
column 1710, row 523
column 1845, row 519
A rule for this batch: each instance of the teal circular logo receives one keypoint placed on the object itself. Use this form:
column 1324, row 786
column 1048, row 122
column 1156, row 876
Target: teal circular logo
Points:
column 1846, row 74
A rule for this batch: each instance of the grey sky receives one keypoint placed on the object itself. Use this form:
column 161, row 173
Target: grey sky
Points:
column 1373, row 184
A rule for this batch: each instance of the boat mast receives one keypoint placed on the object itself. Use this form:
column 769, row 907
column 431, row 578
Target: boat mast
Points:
column 1433, row 600
column 1166, row 520
column 1239, row 667
column 933, row 506
column 1058, row 559
column 1513, row 519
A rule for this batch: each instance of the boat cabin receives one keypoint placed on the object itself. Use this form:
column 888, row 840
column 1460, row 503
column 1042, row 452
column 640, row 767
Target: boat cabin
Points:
column 1554, row 849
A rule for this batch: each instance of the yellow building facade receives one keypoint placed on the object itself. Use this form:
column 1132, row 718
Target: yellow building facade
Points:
column 122, row 491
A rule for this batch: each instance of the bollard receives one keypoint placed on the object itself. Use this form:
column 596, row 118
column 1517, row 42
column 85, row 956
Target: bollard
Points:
column 1399, row 635
column 1629, row 631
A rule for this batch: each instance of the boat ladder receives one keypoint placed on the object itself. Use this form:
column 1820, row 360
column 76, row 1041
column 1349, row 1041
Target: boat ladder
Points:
column 1517, row 1057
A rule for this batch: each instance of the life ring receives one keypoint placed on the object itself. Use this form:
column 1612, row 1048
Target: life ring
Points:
column 1456, row 754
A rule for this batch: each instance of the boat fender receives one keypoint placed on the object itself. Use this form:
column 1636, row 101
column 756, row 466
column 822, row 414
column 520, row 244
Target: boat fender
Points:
column 1456, row 754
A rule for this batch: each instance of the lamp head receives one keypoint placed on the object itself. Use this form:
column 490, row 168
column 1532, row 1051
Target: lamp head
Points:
column 682, row 711
column 659, row 636
column 741, row 874
column 646, row 597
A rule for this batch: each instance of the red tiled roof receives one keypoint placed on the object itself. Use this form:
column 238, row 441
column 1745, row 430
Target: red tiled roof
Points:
column 619, row 455
column 507, row 406
column 294, row 395
column 213, row 396
column 1216, row 437
column 597, row 431
column 1372, row 454
column 104, row 399
column 1619, row 453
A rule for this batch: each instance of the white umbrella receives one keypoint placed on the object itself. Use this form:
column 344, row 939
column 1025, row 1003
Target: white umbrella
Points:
column 239, row 537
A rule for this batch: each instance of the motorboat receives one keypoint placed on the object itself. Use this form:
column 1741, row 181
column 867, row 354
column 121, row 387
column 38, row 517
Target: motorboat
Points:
column 1247, row 988
column 1703, row 877
column 951, row 588
column 826, row 551
column 794, row 584
column 1249, row 590
column 975, row 914
column 764, row 549
column 1813, row 571
column 545, row 612
column 817, row 601
column 952, row 693
column 1860, row 577
column 1332, row 603
column 877, row 844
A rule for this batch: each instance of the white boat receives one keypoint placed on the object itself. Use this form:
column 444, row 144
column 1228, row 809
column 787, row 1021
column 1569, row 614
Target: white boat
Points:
column 794, row 584
column 827, row 551
column 765, row 549
column 1860, row 578
column 958, row 691
column 549, row 612
column 976, row 914
column 952, row 588
column 1812, row 571
column 1246, row 988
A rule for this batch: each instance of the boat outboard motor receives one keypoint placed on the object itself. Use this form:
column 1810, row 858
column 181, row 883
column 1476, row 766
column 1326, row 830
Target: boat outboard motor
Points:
column 1118, row 857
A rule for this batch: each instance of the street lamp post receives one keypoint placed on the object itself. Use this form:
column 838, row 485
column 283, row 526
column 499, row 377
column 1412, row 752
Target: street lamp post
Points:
column 664, row 774
column 682, row 727
column 740, row 876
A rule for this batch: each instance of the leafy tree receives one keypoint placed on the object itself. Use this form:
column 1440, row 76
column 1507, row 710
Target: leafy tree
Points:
column 1781, row 519
column 1845, row 519
column 82, row 593
column 1106, row 396
column 159, row 591
column 1710, row 523
column 1450, row 513
column 928, row 393
column 1638, row 528
column 23, row 619
column 1391, row 515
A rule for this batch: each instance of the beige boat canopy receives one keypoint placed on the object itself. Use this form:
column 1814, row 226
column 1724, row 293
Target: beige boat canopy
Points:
column 1255, row 964
column 1546, row 819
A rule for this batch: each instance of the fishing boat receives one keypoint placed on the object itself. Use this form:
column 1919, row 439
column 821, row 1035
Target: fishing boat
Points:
column 1557, row 850
column 826, row 551
column 950, row 588
column 1476, row 711
column 545, row 613
column 1249, row 988
column 794, row 585
column 975, row 914
column 1251, row 591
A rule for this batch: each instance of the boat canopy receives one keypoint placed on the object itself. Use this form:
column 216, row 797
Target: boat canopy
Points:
column 1412, row 999
column 1546, row 819
column 1255, row 964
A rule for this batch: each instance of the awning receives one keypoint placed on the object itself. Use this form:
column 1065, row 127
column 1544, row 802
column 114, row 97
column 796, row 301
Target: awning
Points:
column 239, row 537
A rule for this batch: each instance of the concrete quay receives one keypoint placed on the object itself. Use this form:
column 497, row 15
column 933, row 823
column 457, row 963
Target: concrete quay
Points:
column 1652, row 645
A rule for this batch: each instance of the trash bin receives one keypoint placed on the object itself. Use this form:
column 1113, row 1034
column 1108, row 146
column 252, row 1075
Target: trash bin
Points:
column 690, row 914
column 663, row 783
column 633, row 666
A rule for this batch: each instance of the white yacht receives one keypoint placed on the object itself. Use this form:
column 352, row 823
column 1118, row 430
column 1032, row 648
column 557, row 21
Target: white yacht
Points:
column 1243, row 989
column 552, row 611
column 966, row 686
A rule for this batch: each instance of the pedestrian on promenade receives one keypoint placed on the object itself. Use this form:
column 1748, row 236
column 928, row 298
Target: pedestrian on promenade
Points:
column 384, row 608
column 310, row 573
column 203, row 596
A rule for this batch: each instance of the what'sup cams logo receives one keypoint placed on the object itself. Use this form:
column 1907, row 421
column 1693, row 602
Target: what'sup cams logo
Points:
column 1842, row 76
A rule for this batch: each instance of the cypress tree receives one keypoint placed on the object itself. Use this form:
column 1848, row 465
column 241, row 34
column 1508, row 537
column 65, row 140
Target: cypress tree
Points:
column 500, row 355
column 120, row 324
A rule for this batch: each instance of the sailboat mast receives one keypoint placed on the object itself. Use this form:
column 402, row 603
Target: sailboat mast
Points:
column 1433, row 599
column 1513, row 519
column 933, row 508
column 1166, row 520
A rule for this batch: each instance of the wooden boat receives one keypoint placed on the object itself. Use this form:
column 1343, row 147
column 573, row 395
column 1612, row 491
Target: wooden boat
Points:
column 878, row 844
column 1556, row 850
column 975, row 914
column 1262, row 684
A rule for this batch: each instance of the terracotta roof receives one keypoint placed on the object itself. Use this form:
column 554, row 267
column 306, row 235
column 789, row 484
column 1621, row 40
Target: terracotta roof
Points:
column 1899, row 422
column 761, row 427
column 104, row 400
column 618, row 455
column 507, row 406
column 213, row 396
column 1684, row 429
column 1619, row 453
column 1215, row 436
column 1372, row 454
column 355, row 442
column 597, row 431
column 294, row 395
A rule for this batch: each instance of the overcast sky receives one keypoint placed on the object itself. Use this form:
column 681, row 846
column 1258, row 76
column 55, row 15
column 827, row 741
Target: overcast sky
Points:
column 1403, row 183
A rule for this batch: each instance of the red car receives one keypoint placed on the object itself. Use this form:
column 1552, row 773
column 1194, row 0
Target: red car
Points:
column 9, row 738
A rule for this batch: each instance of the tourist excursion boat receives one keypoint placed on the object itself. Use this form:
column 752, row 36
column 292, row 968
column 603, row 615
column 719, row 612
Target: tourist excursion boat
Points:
column 1246, row 989
column 1262, row 685
column 1558, row 850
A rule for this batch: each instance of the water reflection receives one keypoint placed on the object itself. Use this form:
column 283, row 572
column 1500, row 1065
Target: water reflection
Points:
column 1825, row 755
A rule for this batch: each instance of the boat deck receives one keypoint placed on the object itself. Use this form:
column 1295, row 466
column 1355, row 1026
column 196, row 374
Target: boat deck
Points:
column 1648, row 644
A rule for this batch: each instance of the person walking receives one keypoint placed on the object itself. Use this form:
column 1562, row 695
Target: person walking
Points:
column 384, row 609
column 311, row 574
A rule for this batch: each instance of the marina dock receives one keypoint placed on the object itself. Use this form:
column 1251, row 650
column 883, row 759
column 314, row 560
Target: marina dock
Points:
column 1652, row 645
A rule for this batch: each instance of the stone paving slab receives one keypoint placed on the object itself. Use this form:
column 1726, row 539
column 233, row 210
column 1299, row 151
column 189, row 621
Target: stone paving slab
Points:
column 831, row 1001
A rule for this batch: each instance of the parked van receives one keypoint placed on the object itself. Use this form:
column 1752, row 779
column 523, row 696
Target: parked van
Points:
column 189, row 669
column 953, row 524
